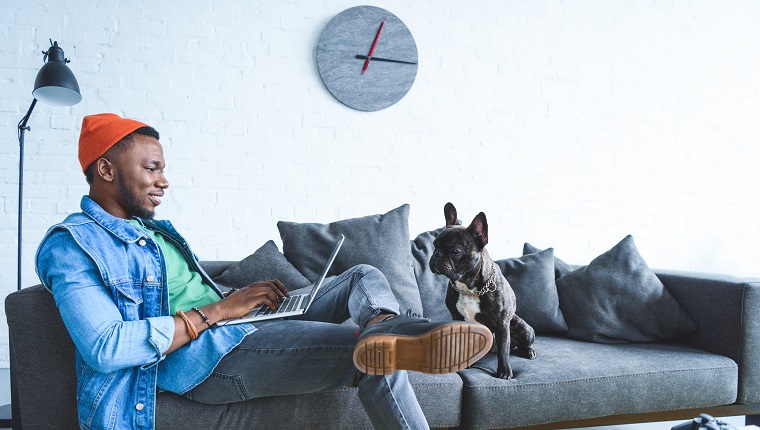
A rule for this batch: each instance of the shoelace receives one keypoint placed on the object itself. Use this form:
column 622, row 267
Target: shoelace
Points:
column 409, row 313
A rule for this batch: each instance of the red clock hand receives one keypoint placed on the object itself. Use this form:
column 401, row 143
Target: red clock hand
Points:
column 374, row 43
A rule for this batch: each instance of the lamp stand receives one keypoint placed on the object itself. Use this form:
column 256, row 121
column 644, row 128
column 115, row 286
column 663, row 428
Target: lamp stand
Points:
column 22, row 129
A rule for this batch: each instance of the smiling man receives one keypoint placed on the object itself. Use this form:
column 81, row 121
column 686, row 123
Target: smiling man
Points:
column 140, row 157
column 141, row 311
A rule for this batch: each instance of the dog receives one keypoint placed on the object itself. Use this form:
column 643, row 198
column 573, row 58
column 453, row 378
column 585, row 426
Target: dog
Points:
column 478, row 291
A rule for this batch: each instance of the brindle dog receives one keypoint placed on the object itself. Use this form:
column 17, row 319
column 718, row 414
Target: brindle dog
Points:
column 478, row 291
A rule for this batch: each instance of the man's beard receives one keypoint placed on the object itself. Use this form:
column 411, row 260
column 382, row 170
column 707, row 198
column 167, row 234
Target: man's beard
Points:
column 131, row 204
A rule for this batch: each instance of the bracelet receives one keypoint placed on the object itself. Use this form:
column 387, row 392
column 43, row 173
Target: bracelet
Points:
column 205, row 318
column 189, row 324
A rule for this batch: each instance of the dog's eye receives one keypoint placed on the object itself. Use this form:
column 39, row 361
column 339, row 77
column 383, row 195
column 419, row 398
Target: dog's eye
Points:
column 456, row 252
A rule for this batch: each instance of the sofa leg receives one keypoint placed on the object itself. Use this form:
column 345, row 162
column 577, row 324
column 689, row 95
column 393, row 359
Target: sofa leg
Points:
column 15, row 408
column 752, row 420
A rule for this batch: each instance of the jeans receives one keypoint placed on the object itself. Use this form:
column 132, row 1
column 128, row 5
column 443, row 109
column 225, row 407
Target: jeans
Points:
column 313, row 353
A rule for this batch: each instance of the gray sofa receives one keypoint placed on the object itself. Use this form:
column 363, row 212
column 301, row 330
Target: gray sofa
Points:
column 712, row 368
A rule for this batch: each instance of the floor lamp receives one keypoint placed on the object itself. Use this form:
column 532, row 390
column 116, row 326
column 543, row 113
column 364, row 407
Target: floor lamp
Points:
column 55, row 85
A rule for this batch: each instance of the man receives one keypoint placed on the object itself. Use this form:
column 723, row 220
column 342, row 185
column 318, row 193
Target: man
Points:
column 141, row 311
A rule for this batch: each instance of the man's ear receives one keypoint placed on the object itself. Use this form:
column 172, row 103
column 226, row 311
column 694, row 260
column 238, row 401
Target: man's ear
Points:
column 104, row 169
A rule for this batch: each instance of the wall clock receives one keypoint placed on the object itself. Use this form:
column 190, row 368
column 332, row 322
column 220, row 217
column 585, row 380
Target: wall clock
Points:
column 367, row 58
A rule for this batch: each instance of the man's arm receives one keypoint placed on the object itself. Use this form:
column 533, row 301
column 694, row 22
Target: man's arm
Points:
column 105, row 341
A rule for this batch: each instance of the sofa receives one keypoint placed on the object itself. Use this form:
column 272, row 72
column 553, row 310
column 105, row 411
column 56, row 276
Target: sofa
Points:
column 617, row 342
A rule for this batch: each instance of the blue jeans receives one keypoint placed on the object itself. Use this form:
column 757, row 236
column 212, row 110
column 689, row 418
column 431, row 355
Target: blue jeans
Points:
column 313, row 353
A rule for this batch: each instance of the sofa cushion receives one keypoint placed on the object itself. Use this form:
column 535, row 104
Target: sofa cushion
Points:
column 432, row 286
column 378, row 240
column 335, row 409
column 264, row 264
column 532, row 279
column 618, row 298
column 571, row 380
column 560, row 267
column 214, row 268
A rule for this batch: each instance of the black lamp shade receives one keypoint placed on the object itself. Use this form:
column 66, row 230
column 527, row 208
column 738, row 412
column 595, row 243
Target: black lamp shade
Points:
column 55, row 83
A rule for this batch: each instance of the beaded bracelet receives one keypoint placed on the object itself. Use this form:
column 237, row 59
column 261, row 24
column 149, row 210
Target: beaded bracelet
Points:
column 189, row 324
column 205, row 318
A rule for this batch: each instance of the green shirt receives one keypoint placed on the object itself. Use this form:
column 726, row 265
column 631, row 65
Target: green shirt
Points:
column 186, row 287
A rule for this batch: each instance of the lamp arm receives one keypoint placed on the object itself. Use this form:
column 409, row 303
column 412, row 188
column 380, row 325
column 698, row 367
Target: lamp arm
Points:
column 22, row 128
column 25, row 119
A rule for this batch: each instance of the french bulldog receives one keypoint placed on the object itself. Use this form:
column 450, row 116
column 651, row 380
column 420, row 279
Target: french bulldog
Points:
column 478, row 291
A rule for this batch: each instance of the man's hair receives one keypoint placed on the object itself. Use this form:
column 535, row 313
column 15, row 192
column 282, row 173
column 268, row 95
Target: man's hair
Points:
column 119, row 147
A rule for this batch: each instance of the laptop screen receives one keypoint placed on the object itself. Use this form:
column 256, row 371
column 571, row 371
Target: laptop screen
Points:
column 330, row 261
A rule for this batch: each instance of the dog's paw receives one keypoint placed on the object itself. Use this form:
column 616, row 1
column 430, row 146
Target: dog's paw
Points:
column 504, row 372
column 525, row 352
column 530, row 354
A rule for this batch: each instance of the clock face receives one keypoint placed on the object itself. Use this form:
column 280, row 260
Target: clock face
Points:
column 367, row 58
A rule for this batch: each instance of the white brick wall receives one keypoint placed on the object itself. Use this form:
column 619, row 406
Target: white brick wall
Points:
column 571, row 124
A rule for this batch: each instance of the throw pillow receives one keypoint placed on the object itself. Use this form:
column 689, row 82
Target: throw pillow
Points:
column 617, row 298
column 431, row 285
column 378, row 240
column 532, row 279
column 264, row 264
column 560, row 267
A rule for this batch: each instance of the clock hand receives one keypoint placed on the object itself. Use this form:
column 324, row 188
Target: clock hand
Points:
column 364, row 57
column 374, row 43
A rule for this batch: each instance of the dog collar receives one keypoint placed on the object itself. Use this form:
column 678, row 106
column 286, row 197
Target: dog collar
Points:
column 489, row 287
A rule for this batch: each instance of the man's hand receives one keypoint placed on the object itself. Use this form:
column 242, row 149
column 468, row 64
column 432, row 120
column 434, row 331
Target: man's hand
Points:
column 239, row 302
column 235, row 305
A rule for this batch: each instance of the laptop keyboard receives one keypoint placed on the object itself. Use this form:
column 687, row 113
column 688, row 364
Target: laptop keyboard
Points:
column 287, row 305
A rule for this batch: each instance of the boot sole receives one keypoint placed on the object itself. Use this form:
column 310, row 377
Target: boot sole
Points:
column 445, row 349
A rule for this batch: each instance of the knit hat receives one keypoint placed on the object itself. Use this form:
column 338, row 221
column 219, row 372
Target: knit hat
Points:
column 100, row 132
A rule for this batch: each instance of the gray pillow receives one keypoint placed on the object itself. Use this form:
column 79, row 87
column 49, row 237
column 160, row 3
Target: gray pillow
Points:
column 560, row 267
column 378, row 240
column 617, row 298
column 432, row 286
column 264, row 264
column 532, row 279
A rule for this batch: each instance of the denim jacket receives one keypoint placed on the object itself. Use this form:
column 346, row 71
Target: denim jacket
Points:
column 108, row 279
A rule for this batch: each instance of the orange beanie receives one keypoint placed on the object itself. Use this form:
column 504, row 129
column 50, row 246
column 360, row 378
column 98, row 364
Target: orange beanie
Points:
column 100, row 132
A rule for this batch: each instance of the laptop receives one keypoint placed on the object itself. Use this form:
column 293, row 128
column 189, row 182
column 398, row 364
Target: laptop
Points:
column 292, row 305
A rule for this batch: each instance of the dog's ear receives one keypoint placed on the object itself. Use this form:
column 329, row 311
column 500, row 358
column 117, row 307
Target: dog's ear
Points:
column 450, row 212
column 479, row 229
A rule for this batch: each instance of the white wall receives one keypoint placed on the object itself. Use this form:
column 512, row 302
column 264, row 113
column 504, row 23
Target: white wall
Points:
column 571, row 124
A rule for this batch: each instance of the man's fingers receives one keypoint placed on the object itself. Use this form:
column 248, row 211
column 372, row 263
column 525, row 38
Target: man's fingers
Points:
column 273, row 304
column 274, row 285
column 280, row 288
column 271, row 295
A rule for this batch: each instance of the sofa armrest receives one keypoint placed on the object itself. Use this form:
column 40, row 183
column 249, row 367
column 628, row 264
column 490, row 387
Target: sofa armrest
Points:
column 727, row 310
column 43, row 360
